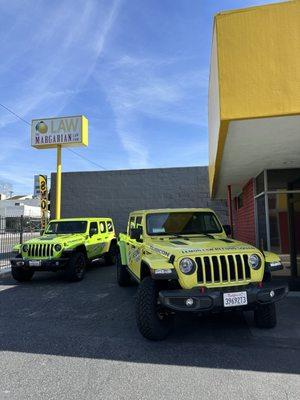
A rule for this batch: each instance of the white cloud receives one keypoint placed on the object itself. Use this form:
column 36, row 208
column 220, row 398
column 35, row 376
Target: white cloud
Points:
column 65, row 53
column 142, row 87
column 51, row 49
column 131, row 140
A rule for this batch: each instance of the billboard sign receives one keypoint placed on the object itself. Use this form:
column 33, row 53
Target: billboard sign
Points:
column 44, row 200
column 48, row 133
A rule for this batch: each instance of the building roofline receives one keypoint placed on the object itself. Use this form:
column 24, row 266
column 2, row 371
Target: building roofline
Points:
column 252, row 8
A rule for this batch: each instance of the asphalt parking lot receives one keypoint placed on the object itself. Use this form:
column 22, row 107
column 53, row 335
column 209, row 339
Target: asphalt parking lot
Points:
column 79, row 341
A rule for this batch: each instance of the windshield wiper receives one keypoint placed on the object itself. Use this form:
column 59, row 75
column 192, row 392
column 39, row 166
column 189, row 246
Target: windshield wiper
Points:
column 207, row 235
column 177, row 235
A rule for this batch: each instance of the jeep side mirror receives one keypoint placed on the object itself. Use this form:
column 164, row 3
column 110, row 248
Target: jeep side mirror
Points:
column 93, row 231
column 135, row 234
column 42, row 232
column 227, row 229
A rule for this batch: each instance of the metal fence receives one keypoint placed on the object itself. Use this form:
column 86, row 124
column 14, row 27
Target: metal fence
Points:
column 15, row 230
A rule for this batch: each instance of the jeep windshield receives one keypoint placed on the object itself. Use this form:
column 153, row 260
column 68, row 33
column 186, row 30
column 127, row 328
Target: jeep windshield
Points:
column 66, row 227
column 182, row 223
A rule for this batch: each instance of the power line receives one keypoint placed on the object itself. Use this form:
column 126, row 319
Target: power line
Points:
column 84, row 158
column 72, row 151
column 13, row 113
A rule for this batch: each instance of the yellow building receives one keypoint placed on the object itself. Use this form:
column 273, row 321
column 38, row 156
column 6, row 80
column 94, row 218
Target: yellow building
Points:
column 254, row 124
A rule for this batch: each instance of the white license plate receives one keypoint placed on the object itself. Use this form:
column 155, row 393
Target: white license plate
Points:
column 235, row 299
column 34, row 263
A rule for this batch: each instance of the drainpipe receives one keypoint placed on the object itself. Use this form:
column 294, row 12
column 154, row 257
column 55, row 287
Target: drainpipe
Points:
column 229, row 205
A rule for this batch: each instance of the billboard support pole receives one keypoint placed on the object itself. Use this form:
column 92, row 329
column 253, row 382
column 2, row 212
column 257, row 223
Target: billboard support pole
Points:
column 58, row 182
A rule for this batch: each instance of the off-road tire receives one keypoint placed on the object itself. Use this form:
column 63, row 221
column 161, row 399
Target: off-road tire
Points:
column 150, row 324
column 265, row 316
column 110, row 257
column 76, row 266
column 123, row 276
column 21, row 275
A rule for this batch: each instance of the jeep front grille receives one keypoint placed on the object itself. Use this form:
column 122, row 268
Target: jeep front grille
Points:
column 223, row 269
column 40, row 250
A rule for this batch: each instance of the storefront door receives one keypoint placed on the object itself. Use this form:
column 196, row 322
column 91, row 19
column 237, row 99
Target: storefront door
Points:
column 294, row 223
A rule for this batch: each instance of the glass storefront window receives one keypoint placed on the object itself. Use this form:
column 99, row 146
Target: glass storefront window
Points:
column 279, row 223
column 261, row 223
column 278, row 220
column 294, row 218
column 260, row 183
column 285, row 179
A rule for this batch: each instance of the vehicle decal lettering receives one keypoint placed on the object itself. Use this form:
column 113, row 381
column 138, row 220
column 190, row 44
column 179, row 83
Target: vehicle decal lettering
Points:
column 134, row 255
column 230, row 248
column 159, row 251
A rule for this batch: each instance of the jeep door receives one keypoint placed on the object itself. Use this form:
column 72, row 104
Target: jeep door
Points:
column 134, row 248
column 105, row 236
column 93, row 241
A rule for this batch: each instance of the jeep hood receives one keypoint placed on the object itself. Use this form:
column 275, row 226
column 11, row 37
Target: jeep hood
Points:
column 57, row 238
column 200, row 246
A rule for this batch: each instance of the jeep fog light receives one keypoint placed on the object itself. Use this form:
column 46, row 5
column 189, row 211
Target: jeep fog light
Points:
column 57, row 247
column 189, row 302
column 187, row 266
column 254, row 261
column 25, row 248
column 272, row 293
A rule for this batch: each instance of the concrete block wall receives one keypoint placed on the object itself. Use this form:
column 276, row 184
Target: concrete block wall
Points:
column 117, row 193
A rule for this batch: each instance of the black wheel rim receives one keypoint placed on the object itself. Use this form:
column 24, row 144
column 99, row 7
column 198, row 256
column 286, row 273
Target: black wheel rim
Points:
column 79, row 268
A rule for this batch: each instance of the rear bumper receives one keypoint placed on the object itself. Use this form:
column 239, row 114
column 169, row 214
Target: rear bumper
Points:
column 39, row 265
column 213, row 299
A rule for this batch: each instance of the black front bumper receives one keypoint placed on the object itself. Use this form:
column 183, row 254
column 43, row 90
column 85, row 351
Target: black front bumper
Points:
column 39, row 265
column 213, row 299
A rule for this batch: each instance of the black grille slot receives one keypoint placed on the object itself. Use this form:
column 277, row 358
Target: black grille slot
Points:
column 239, row 267
column 231, row 268
column 224, row 268
column 200, row 277
column 215, row 263
column 247, row 268
column 207, row 269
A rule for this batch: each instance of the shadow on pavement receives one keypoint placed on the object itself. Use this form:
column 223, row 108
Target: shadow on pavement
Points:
column 95, row 319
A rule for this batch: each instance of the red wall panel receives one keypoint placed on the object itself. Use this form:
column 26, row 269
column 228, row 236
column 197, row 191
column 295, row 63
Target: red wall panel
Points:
column 244, row 217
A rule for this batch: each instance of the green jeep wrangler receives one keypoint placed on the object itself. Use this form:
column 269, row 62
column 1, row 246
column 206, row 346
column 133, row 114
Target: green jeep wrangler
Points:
column 66, row 245
column 185, row 262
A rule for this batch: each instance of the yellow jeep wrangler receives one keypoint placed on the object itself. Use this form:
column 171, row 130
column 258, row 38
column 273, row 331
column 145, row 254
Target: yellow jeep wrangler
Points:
column 66, row 245
column 185, row 262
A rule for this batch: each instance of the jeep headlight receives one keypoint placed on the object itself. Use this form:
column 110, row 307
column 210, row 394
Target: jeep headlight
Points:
column 254, row 261
column 187, row 266
column 25, row 248
column 57, row 247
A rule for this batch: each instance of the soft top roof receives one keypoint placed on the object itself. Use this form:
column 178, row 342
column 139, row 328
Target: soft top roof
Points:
column 89, row 219
column 166, row 210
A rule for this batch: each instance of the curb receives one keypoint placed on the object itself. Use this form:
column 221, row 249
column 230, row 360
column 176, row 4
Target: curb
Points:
column 5, row 271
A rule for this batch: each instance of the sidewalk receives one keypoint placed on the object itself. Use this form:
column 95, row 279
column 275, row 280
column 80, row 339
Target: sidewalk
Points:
column 4, row 270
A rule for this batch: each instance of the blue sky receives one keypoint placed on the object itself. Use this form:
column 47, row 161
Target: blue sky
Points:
column 137, row 69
